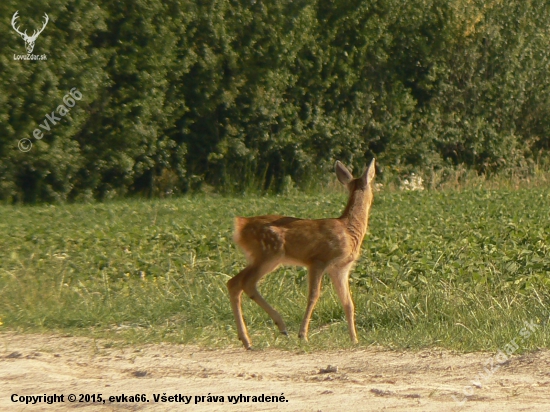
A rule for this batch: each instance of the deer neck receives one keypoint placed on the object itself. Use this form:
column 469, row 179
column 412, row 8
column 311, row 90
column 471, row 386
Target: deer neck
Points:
column 356, row 217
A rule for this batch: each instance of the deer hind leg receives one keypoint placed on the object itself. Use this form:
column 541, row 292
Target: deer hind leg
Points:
column 315, row 276
column 340, row 279
column 234, row 285
column 247, row 281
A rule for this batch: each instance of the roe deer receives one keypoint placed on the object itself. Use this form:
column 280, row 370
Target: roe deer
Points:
column 322, row 245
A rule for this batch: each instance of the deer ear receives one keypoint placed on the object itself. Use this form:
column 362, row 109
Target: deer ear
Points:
column 368, row 176
column 343, row 174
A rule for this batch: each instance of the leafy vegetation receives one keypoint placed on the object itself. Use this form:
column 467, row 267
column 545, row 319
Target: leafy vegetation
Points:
column 454, row 269
column 180, row 95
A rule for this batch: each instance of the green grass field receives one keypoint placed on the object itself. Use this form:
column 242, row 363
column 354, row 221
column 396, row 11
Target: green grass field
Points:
column 457, row 269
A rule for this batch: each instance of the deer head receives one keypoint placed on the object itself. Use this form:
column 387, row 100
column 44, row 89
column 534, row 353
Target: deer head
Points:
column 29, row 40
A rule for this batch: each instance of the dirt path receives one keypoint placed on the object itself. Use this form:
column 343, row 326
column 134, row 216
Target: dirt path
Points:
column 365, row 380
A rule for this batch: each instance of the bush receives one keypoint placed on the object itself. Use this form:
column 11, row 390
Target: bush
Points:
column 238, row 94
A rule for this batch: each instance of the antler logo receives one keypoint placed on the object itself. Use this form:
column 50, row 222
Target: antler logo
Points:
column 29, row 40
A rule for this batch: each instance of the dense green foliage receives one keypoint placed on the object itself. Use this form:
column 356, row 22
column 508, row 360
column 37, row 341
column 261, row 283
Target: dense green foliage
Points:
column 263, row 93
column 460, row 270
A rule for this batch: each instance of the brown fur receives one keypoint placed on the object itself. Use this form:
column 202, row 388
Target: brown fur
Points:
column 322, row 245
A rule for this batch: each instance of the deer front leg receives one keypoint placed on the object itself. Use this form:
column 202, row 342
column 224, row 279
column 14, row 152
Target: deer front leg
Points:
column 340, row 279
column 315, row 275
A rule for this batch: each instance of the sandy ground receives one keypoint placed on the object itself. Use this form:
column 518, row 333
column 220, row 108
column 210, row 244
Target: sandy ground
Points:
column 353, row 380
